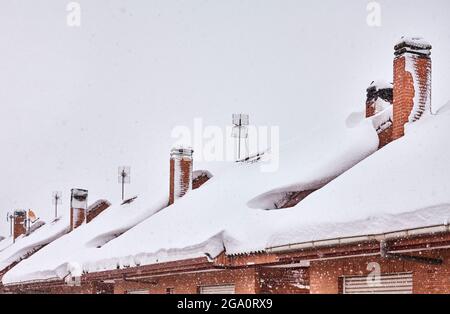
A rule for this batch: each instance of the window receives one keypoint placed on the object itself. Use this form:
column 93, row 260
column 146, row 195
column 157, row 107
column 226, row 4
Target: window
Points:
column 397, row 283
column 224, row 289
column 141, row 291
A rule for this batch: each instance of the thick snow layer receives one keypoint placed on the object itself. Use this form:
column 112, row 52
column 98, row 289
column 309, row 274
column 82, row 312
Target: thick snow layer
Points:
column 5, row 243
column 380, row 121
column 29, row 244
column 422, row 98
column 402, row 186
column 198, row 173
column 381, row 223
column 381, row 84
column 383, row 119
column 58, row 258
column 414, row 41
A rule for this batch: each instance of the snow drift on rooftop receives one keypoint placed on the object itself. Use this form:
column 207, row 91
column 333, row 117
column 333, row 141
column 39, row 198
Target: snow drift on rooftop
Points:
column 416, row 41
column 381, row 84
column 34, row 241
column 58, row 257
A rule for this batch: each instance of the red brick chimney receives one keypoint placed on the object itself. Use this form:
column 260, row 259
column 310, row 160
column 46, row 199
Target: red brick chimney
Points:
column 412, row 82
column 180, row 172
column 378, row 92
column 20, row 217
column 78, row 206
column 379, row 103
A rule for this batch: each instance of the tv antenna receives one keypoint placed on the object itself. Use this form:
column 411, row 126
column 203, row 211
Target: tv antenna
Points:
column 56, row 200
column 10, row 219
column 240, row 129
column 124, row 178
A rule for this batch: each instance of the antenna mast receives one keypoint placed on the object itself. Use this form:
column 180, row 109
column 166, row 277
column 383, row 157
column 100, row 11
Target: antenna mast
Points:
column 9, row 218
column 56, row 200
column 124, row 178
column 240, row 129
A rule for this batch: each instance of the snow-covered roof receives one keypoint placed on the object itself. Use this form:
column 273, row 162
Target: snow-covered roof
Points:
column 402, row 186
column 26, row 245
column 59, row 257
column 5, row 243
column 200, row 221
column 383, row 116
column 1, row 242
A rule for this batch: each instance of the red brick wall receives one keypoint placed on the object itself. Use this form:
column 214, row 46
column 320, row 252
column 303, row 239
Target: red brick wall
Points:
column 79, row 214
column 385, row 137
column 172, row 182
column 370, row 109
column 404, row 90
column 185, row 175
column 199, row 181
column 94, row 212
column 244, row 280
column 19, row 225
column 283, row 280
column 324, row 275
column 61, row 288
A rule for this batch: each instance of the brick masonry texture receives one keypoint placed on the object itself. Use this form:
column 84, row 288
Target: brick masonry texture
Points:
column 77, row 217
column 185, row 169
column 19, row 225
column 325, row 275
column 97, row 210
column 404, row 90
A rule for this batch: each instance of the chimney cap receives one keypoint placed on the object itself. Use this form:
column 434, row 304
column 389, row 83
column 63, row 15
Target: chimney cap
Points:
column 78, row 196
column 184, row 151
column 416, row 45
column 20, row 212
column 380, row 85
column 79, row 191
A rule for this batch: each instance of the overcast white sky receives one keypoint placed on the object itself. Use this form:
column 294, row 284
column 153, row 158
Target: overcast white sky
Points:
column 75, row 103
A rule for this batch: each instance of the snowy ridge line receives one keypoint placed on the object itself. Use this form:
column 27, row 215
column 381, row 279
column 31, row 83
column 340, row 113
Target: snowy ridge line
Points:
column 433, row 229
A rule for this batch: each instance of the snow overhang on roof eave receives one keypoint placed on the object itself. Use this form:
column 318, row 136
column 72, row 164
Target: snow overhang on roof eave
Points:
column 405, row 233
column 48, row 281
